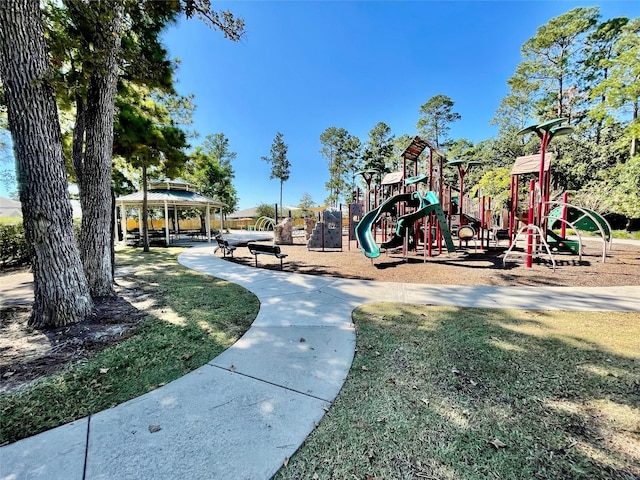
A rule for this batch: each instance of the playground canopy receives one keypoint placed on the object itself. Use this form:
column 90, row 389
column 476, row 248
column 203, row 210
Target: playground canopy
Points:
column 392, row 178
column 417, row 146
column 531, row 164
column 174, row 194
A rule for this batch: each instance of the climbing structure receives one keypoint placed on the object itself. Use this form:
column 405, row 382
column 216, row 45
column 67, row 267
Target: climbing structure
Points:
column 327, row 233
column 542, row 214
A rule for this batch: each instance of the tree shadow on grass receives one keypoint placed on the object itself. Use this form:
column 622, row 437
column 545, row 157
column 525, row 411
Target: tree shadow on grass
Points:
column 476, row 393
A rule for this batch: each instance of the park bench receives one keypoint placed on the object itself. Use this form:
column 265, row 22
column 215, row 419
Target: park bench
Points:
column 261, row 249
column 224, row 246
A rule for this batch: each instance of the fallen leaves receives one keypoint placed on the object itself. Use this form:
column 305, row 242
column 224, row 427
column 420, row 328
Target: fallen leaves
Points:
column 465, row 377
column 371, row 455
column 497, row 444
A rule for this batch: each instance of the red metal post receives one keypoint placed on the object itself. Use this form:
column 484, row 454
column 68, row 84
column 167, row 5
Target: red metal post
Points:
column 532, row 196
column 510, row 220
column 483, row 223
column 429, row 238
column 513, row 226
column 461, row 173
column 490, row 221
column 430, row 170
column 441, row 177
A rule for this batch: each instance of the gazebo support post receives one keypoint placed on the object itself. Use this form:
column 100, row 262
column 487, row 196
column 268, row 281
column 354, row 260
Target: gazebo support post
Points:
column 166, row 223
column 208, row 226
column 123, row 223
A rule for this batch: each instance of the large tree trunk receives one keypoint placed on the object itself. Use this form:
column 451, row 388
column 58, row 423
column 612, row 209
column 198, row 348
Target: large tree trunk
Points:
column 60, row 287
column 94, row 177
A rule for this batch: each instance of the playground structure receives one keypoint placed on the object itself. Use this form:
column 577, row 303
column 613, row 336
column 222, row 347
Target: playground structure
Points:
column 406, row 217
column 327, row 233
column 419, row 208
column 543, row 213
column 264, row 223
column 409, row 216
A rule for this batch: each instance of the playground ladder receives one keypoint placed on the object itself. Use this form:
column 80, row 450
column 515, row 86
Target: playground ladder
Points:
column 538, row 233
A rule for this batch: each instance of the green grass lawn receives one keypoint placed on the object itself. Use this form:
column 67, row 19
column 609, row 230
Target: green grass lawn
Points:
column 201, row 316
column 460, row 393
column 433, row 393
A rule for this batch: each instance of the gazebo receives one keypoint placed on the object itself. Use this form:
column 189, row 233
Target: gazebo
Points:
column 169, row 194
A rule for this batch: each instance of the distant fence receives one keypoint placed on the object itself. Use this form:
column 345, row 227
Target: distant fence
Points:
column 249, row 223
column 158, row 224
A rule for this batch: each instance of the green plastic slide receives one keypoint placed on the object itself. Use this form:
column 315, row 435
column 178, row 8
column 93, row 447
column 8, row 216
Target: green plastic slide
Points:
column 427, row 205
column 364, row 235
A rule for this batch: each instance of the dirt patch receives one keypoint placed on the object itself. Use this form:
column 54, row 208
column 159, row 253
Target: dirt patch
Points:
column 27, row 355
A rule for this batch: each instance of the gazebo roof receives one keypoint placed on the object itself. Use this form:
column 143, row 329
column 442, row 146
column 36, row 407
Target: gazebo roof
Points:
column 176, row 198
column 171, row 184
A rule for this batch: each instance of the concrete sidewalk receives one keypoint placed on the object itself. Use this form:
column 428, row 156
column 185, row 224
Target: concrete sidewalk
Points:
column 246, row 411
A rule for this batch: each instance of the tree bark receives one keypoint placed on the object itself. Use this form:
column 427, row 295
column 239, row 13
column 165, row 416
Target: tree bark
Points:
column 96, row 235
column 61, row 293
column 77, row 144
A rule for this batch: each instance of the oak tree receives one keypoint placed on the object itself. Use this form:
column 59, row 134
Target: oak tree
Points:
column 61, row 291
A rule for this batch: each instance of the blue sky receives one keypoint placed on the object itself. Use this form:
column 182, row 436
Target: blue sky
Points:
column 305, row 66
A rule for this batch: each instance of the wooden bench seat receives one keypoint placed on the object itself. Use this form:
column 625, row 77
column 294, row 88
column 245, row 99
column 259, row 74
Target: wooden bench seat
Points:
column 225, row 247
column 260, row 249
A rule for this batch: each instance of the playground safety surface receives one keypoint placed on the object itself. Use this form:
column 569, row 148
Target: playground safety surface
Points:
column 467, row 267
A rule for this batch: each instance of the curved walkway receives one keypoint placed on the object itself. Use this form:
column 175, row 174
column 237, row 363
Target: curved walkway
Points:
column 242, row 414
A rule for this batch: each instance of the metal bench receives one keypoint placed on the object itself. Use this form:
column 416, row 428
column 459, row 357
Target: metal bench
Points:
column 225, row 247
column 261, row 249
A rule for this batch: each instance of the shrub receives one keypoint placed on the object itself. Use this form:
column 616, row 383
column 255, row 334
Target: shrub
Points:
column 14, row 250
